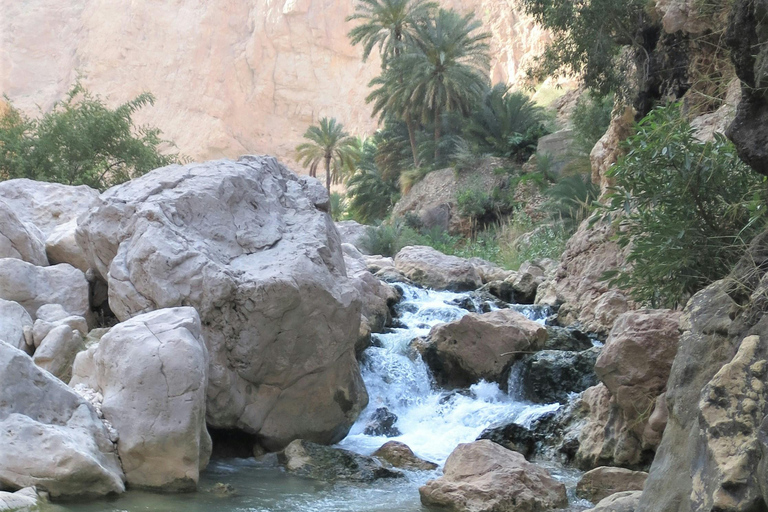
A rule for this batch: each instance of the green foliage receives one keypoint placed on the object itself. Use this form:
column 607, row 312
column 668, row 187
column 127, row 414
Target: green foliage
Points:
column 569, row 201
column 411, row 177
column 371, row 192
column 505, row 124
column 81, row 141
column 338, row 206
column 685, row 209
column 331, row 145
column 474, row 203
column 591, row 118
column 587, row 38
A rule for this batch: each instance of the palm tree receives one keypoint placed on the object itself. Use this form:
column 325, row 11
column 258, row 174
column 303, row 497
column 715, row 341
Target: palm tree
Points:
column 392, row 26
column 446, row 68
column 329, row 144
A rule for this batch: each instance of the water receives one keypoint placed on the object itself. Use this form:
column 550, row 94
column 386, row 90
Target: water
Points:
column 432, row 423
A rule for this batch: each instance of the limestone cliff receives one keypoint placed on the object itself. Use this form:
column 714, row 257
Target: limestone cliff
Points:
column 230, row 77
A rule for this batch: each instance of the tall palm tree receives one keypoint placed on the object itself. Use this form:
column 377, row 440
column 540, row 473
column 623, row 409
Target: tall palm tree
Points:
column 392, row 26
column 447, row 67
column 330, row 144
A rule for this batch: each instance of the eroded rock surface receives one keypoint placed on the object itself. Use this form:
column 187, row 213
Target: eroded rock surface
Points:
column 401, row 456
column 251, row 247
column 50, row 437
column 151, row 371
column 486, row 477
column 310, row 460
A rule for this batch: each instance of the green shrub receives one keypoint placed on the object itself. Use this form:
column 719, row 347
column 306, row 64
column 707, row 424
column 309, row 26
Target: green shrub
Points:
column 685, row 209
column 474, row 203
column 569, row 201
column 338, row 206
column 81, row 141
column 371, row 192
column 591, row 118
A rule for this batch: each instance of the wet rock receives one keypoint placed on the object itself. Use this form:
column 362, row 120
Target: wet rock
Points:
column 310, row 460
column 222, row 489
column 566, row 338
column 432, row 269
column 599, row 483
column 263, row 266
column 486, row 477
column 382, row 423
column 620, row 502
column 480, row 346
column 43, row 420
column 553, row 375
column 514, row 437
column 401, row 456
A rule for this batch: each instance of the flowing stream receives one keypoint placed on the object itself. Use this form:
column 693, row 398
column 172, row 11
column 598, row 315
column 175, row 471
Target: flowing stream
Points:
column 431, row 421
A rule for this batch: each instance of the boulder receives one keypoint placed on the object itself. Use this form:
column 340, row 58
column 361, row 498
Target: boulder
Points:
column 23, row 500
column 352, row 233
column 382, row 423
column 513, row 436
column 151, row 371
column 552, row 376
column 310, row 460
column 57, row 351
column 14, row 323
column 558, row 148
column 18, row 239
column 605, row 481
column 377, row 297
column 33, row 286
column 485, row 477
column 433, row 269
column 481, row 346
column 399, row 455
column 54, row 209
column 251, row 247
column 51, row 316
column 566, row 338
column 490, row 272
column 626, row 501
column 50, row 437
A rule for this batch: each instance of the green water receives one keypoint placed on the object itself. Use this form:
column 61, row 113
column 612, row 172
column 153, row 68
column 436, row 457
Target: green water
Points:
column 263, row 487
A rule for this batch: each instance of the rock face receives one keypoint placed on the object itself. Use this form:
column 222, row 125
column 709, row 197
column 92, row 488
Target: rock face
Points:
column 42, row 420
column 33, row 286
column 628, row 411
column 18, row 239
column 577, row 284
column 712, row 452
column 480, row 346
column 400, row 456
column 605, row 481
column 156, row 402
column 486, row 477
column 433, row 269
column 287, row 63
column 53, row 209
column 251, row 247
column 626, row 501
column 311, row 460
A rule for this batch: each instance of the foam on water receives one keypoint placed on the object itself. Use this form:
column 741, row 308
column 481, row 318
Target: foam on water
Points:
column 432, row 421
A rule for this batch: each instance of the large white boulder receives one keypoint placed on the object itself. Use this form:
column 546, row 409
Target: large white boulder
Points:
column 33, row 286
column 433, row 269
column 18, row 239
column 50, row 437
column 53, row 208
column 250, row 245
column 151, row 371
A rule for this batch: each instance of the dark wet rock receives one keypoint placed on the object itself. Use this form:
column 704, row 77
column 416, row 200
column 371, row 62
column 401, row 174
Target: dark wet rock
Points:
column 551, row 376
column 222, row 489
column 566, row 338
column 401, row 456
column 310, row 460
column 382, row 423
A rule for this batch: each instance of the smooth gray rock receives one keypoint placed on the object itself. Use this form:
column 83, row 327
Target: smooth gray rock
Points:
column 19, row 239
column 14, row 321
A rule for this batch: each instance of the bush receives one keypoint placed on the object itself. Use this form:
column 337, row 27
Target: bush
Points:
column 371, row 192
column 81, row 142
column 684, row 208
column 569, row 201
column 591, row 118
column 338, row 206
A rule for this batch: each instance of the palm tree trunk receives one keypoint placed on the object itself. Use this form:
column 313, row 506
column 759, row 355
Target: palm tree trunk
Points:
column 412, row 137
column 438, row 134
column 328, row 173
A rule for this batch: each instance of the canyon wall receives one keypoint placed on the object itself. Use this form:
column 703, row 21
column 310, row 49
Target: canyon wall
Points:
column 230, row 77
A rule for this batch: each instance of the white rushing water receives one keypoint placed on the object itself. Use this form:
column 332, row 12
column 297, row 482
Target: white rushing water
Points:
column 432, row 421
